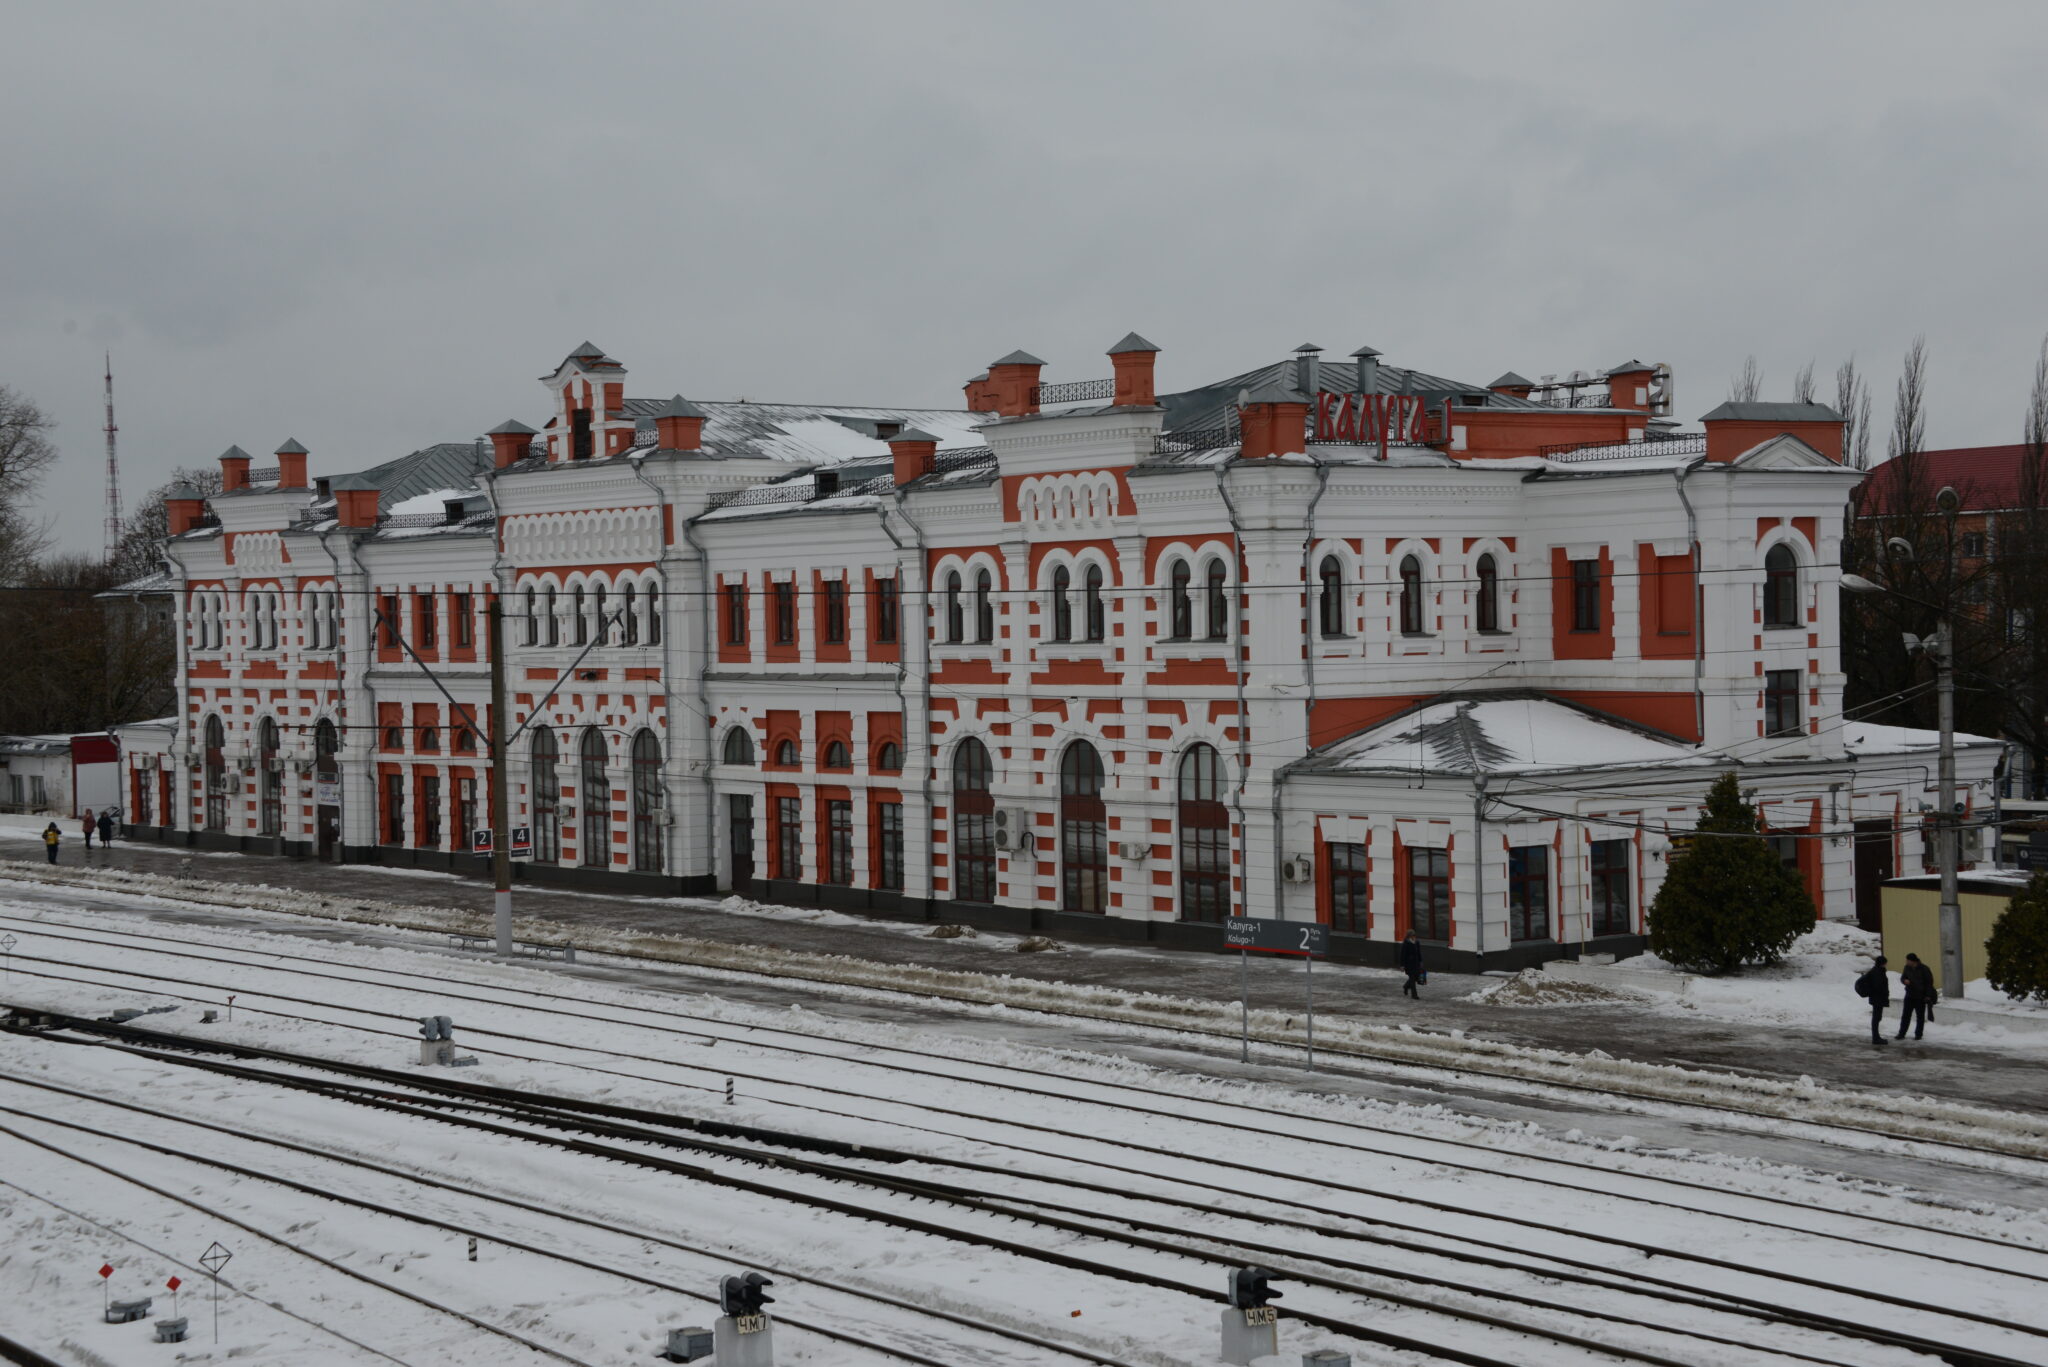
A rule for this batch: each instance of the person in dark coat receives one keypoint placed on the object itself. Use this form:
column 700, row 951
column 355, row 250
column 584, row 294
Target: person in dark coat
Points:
column 1411, row 964
column 52, row 837
column 107, row 828
column 1875, row 987
column 1916, row 980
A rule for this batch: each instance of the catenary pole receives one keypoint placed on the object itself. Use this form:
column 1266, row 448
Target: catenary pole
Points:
column 1951, row 916
column 501, row 806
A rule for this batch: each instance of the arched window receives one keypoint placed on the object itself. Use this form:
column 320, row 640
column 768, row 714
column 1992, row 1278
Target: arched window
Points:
column 270, row 779
column 1062, row 606
column 1330, row 597
column 580, row 630
column 1204, row 837
column 889, row 758
column 647, row 801
column 984, row 607
column 1411, row 596
column 837, row 756
column 594, row 798
column 1486, row 611
column 629, row 618
column 739, row 746
column 1781, row 587
column 430, row 740
column 974, row 824
column 1180, row 608
column 653, row 615
column 530, row 613
column 547, row 798
column 1084, row 831
column 600, row 628
column 216, row 744
column 1093, row 622
column 956, row 627
column 1218, row 605
column 550, row 618
column 785, row 754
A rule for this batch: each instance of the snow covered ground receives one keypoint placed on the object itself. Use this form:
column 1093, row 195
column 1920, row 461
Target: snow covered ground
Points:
column 1394, row 1218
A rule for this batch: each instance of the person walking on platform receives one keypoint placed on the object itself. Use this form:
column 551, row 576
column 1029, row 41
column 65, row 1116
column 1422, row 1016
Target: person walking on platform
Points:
column 106, row 828
column 1411, row 964
column 85, row 823
column 1916, row 980
column 51, row 839
column 1875, row 987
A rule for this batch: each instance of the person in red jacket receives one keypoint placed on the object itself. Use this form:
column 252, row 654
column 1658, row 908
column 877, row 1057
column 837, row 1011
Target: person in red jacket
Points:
column 86, row 824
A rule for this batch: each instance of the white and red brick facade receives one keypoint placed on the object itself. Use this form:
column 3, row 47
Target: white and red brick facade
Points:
column 1350, row 643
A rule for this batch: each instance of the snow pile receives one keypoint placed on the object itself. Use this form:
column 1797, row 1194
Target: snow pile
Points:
column 1534, row 987
column 1522, row 1067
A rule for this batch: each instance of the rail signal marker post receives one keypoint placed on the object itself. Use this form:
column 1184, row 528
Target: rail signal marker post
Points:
column 213, row 1260
column 1263, row 935
column 7, row 943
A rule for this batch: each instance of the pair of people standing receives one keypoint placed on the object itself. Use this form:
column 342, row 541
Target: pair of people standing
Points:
column 103, row 823
column 1916, row 984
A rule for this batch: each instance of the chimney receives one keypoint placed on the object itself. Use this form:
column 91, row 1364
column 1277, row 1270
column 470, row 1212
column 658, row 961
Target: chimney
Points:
column 1132, row 360
column 913, row 450
column 291, row 465
column 1734, row 429
column 183, row 505
column 1368, row 377
column 1307, row 370
column 355, row 501
column 981, row 398
column 1013, row 384
column 510, row 441
column 1513, row 386
column 1273, row 421
column 1628, row 386
column 234, row 469
column 679, row 426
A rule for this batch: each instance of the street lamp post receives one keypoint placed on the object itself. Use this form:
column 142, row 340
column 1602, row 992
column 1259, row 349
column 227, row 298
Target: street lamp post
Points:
column 1939, row 645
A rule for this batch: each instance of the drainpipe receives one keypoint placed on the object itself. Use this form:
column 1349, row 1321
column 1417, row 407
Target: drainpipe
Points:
column 1699, row 624
column 924, row 741
column 1244, row 721
column 1308, row 579
column 1478, row 860
column 668, row 674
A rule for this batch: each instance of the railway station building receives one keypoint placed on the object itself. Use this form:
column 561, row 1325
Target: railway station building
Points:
column 1334, row 640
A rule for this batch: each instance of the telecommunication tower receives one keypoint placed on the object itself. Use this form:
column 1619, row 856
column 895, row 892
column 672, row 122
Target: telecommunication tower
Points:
column 113, row 470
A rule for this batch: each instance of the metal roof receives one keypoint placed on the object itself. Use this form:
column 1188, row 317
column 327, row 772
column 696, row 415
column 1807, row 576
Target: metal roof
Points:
column 811, row 434
column 1773, row 412
column 1213, row 405
column 1131, row 342
column 291, row 447
column 1018, row 358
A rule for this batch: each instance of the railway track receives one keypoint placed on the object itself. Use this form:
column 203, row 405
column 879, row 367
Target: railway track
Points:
column 563, row 1113
column 1393, row 1059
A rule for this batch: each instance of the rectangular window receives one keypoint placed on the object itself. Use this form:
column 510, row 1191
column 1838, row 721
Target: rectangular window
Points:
column 424, row 624
column 889, row 844
column 835, row 612
column 1609, row 890
column 465, row 629
column 735, row 614
column 1429, row 894
column 789, row 838
column 885, row 611
column 1585, row 595
column 465, row 811
column 785, row 612
column 839, row 841
column 394, row 809
column 387, row 620
column 1781, row 702
column 1350, row 892
column 1529, row 892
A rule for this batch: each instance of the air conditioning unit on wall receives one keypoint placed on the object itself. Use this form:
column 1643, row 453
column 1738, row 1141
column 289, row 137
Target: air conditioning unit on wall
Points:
column 1134, row 851
column 1013, row 828
column 1300, row 869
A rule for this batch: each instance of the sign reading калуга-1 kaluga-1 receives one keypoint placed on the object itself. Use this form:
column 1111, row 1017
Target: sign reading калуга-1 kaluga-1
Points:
column 1369, row 417
column 1265, row 935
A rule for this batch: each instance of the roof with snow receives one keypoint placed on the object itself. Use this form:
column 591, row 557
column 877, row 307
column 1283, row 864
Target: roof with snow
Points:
column 1870, row 738
column 1504, row 734
column 812, row 434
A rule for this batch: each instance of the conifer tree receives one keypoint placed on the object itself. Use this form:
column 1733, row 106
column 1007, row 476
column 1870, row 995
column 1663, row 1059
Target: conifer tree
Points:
column 1727, row 899
column 2016, row 955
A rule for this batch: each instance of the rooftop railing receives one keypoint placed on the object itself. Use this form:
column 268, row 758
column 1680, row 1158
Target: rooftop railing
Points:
column 1074, row 391
column 1651, row 444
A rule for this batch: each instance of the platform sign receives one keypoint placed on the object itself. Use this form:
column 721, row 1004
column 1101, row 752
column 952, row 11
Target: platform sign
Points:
column 327, row 792
column 1263, row 935
column 1250, row 935
column 2032, row 857
column 481, row 839
column 522, row 840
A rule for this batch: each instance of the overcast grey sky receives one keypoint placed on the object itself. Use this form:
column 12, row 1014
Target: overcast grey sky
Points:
column 370, row 226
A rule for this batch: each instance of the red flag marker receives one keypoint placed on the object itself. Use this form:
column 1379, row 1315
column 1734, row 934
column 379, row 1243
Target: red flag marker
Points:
column 173, row 1284
column 106, row 1269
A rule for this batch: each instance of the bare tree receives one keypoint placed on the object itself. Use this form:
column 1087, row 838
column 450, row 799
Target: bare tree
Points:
column 1909, row 408
column 1802, row 384
column 26, row 451
column 1852, row 401
column 140, row 551
column 1748, row 386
